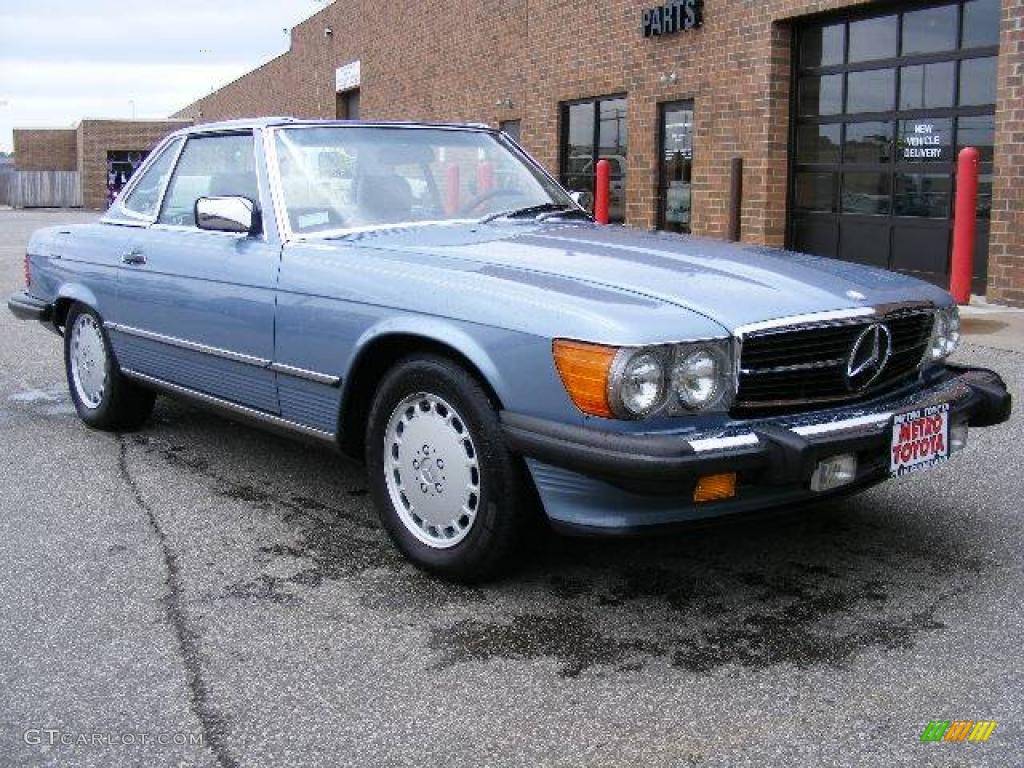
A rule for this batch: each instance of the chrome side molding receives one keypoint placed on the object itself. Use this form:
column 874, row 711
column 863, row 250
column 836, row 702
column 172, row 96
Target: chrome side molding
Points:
column 227, row 354
column 304, row 373
column 231, row 409
column 192, row 346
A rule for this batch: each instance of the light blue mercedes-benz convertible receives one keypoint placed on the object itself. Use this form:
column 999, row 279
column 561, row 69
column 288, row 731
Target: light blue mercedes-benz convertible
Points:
column 428, row 299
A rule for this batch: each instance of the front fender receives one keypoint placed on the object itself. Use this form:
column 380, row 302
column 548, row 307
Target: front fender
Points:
column 517, row 366
column 439, row 331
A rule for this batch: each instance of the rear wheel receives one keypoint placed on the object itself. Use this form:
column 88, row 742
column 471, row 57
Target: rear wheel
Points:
column 103, row 397
column 445, row 485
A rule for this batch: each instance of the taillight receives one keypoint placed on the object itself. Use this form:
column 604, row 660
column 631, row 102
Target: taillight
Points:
column 28, row 271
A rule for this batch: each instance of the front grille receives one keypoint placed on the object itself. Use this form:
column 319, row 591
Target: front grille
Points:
column 791, row 366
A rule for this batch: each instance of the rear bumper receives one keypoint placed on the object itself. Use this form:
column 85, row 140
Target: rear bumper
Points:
column 773, row 457
column 25, row 306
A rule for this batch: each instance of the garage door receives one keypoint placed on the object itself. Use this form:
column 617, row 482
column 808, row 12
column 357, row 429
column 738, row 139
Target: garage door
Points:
column 881, row 106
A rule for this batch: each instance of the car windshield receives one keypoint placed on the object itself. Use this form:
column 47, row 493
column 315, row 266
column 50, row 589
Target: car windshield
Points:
column 337, row 178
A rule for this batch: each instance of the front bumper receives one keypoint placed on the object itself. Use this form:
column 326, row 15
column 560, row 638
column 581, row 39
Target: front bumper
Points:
column 774, row 457
column 25, row 306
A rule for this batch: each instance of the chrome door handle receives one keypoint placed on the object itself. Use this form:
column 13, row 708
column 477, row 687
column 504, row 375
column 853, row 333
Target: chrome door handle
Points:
column 134, row 257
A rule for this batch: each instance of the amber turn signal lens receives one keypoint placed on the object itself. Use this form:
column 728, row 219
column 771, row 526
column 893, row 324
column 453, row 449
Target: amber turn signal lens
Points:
column 584, row 369
column 715, row 487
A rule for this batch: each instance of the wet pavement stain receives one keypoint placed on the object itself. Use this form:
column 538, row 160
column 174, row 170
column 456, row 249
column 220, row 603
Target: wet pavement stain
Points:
column 569, row 638
column 814, row 589
column 807, row 593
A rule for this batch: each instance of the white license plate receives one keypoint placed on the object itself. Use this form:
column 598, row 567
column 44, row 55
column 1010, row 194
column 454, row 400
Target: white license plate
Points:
column 920, row 439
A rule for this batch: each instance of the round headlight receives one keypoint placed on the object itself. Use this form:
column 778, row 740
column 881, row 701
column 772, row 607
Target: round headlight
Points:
column 937, row 350
column 642, row 386
column 952, row 339
column 696, row 378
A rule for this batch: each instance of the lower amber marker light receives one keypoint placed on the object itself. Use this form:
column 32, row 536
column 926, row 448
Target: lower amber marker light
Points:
column 715, row 487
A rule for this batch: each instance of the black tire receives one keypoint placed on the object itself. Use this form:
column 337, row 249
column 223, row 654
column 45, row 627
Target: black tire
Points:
column 123, row 405
column 500, row 519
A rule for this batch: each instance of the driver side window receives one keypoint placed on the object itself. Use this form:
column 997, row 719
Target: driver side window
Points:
column 210, row 166
column 145, row 196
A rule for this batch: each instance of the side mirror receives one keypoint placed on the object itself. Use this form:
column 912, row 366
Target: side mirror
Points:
column 227, row 214
column 584, row 200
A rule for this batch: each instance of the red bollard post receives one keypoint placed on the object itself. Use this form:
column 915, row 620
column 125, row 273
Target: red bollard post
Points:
column 451, row 202
column 602, row 191
column 965, row 222
column 485, row 177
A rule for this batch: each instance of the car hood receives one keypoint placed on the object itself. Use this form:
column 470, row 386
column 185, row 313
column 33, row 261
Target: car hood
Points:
column 731, row 283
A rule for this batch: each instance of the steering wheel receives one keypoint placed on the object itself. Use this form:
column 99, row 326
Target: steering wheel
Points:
column 479, row 200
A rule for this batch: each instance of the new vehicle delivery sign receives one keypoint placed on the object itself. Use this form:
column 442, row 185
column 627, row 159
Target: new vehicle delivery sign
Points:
column 920, row 439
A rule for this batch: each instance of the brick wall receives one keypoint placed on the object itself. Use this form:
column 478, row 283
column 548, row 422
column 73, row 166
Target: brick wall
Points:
column 457, row 60
column 1006, row 239
column 45, row 149
column 97, row 137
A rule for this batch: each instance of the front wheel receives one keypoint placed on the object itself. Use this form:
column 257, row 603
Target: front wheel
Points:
column 445, row 486
column 103, row 397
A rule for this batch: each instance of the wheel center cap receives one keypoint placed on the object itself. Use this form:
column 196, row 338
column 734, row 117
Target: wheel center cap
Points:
column 429, row 470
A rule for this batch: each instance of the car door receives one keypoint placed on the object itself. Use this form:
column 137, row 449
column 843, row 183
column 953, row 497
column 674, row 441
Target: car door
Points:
column 195, row 307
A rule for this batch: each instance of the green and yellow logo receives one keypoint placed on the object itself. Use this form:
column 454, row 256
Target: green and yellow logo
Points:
column 958, row 730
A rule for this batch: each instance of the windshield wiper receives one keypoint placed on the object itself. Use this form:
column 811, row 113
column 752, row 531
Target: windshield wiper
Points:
column 528, row 210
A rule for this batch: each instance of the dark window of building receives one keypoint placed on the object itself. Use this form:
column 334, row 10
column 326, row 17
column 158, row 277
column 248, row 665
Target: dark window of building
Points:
column 821, row 95
column 511, row 127
column 869, row 142
column 591, row 131
column 210, row 166
column 978, row 132
column 675, row 177
column 923, row 194
column 347, row 105
column 927, row 86
column 978, row 82
column 875, row 38
column 917, row 83
column 930, row 30
column 823, row 46
column 866, row 192
column 121, row 166
column 873, row 90
column 815, row 191
column 818, row 143
column 981, row 23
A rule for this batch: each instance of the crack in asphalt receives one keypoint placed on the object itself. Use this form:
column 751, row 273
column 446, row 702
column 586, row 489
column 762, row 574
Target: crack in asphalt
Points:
column 211, row 723
column 818, row 600
column 843, row 584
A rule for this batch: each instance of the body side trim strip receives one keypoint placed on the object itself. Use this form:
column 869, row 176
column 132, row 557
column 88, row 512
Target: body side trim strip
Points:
column 252, row 414
column 174, row 341
column 304, row 373
column 257, row 362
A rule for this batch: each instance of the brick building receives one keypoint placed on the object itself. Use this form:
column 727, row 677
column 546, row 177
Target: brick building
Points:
column 847, row 114
column 104, row 153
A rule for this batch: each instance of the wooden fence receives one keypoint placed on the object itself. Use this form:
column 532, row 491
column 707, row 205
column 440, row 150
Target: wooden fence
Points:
column 44, row 189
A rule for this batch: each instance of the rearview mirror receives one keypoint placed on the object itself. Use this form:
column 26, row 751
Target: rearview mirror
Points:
column 227, row 214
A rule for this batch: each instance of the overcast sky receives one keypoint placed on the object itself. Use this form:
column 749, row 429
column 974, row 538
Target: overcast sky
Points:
column 62, row 60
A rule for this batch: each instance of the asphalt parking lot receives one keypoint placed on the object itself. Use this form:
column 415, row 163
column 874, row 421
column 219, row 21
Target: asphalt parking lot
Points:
column 201, row 580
